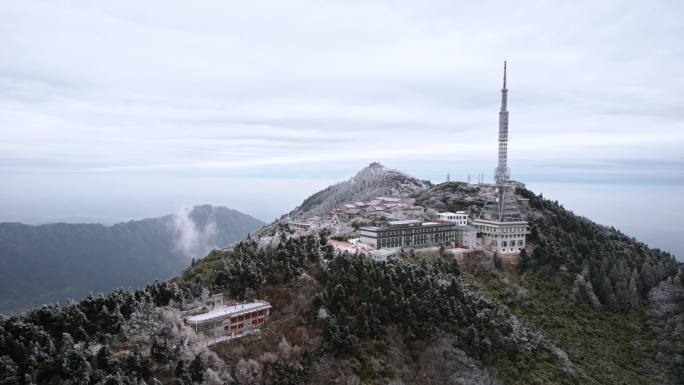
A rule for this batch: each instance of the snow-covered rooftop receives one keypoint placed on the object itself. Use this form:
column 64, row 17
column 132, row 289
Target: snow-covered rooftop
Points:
column 404, row 222
column 223, row 311
column 450, row 213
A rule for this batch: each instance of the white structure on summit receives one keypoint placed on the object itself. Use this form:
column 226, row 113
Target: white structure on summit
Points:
column 500, row 223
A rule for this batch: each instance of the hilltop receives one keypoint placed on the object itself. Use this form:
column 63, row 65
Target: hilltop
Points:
column 584, row 304
column 372, row 181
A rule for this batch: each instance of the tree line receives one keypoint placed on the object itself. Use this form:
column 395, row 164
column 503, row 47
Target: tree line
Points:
column 621, row 270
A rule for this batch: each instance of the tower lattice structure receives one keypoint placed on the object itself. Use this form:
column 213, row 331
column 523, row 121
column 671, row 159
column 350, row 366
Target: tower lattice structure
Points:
column 505, row 208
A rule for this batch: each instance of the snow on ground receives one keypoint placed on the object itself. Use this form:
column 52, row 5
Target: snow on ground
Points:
column 355, row 247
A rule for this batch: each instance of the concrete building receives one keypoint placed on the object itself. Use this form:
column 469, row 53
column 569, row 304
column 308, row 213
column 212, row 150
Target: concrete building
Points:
column 230, row 321
column 459, row 217
column 382, row 255
column 466, row 237
column 298, row 225
column 502, row 237
column 409, row 233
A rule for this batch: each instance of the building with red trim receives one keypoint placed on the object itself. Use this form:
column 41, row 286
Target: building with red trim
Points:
column 231, row 321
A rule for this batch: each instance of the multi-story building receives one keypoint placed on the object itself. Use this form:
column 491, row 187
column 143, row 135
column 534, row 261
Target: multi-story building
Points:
column 299, row 225
column 459, row 217
column 409, row 233
column 230, row 321
column 502, row 237
column 466, row 236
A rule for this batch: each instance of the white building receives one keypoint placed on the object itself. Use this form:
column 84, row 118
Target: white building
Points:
column 459, row 217
column 298, row 225
column 502, row 237
column 232, row 321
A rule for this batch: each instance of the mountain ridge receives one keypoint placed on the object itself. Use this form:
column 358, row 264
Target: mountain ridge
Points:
column 37, row 261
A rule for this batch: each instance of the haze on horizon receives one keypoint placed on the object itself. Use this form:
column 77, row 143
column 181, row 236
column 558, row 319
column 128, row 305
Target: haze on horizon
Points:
column 128, row 110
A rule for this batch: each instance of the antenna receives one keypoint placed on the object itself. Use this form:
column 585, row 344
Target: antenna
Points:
column 504, row 86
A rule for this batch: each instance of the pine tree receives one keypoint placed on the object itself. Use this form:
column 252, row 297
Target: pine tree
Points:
column 633, row 291
column 181, row 373
column 498, row 262
column 198, row 369
column 525, row 262
column 103, row 359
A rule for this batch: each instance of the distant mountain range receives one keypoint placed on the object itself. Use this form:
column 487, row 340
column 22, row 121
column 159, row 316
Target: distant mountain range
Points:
column 54, row 262
column 79, row 219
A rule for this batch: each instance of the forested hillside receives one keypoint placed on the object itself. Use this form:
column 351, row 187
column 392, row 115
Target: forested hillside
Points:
column 55, row 262
column 608, row 300
column 620, row 270
column 350, row 319
column 586, row 305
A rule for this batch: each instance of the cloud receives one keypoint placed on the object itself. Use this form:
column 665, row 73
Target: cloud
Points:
column 191, row 241
column 124, row 87
column 119, row 90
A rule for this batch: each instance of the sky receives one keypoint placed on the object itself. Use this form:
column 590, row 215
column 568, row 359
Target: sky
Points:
column 128, row 109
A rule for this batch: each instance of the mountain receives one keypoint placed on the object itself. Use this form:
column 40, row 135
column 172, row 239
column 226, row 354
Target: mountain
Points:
column 57, row 261
column 79, row 219
column 584, row 304
column 372, row 181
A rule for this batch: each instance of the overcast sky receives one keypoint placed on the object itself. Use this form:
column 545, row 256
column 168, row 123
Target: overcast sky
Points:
column 128, row 108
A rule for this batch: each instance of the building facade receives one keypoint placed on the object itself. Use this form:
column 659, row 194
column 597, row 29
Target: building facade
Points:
column 231, row 321
column 409, row 233
column 459, row 217
column 502, row 237
column 466, row 236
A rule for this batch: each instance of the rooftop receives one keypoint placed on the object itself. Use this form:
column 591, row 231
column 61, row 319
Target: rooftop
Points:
column 404, row 222
column 223, row 311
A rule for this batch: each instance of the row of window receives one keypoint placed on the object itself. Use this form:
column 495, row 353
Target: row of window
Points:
column 511, row 243
column 512, row 250
column 247, row 316
column 417, row 241
column 490, row 229
column 415, row 230
column 241, row 325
